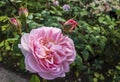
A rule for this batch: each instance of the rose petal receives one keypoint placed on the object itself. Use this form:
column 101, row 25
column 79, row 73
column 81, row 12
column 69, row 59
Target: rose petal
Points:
column 24, row 42
column 47, row 76
column 31, row 64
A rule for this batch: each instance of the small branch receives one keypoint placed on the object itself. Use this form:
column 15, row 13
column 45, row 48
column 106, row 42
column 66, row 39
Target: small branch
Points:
column 12, row 4
column 27, row 29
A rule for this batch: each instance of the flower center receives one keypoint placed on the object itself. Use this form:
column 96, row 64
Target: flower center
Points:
column 47, row 45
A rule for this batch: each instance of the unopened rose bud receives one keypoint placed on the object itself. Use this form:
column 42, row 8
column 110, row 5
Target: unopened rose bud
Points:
column 15, row 23
column 69, row 25
column 23, row 12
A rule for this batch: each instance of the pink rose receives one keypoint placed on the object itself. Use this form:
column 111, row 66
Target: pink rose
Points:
column 47, row 52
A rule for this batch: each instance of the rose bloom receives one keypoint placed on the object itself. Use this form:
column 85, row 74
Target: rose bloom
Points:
column 47, row 52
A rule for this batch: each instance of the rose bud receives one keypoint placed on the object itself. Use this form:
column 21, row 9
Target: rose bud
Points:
column 23, row 12
column 15, row 24
column 69, row 25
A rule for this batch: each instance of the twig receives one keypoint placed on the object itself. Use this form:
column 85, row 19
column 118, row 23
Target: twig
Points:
column 12, row 4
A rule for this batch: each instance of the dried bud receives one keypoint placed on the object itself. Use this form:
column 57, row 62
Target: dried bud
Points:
column 69, row 25
column 23, row 12
column 15, row 23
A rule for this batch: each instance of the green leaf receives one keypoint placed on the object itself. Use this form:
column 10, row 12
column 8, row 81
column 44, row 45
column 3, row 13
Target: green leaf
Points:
column 22, row 64
column 2, row 43
column 85, row 54
column 96, row 75
column 60, row 19
column 79, row 63
column 93, row 39
column 95, row 79
column 15, row 47
column 118, row 12
column 34, row 78
column 30, row 16
column 83, row 13
column 118, row 67
column 3, row 18
column 5, row 27
column 88, row 47
column 102, row 42
column 1, row 58
column 101, row 19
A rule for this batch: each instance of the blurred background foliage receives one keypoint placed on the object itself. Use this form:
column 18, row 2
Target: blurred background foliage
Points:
column 96, row 38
